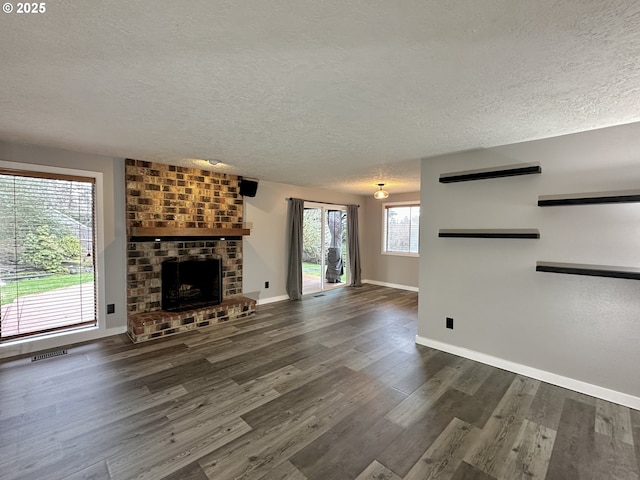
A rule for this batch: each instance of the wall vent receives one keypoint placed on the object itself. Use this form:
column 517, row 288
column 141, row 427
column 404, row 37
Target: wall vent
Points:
column 43, row 356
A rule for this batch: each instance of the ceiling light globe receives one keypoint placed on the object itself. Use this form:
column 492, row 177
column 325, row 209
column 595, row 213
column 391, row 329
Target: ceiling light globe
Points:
column 381, row 194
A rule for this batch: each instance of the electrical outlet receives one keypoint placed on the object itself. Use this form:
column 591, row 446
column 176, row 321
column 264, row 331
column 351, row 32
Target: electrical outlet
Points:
column 111, row 308
column 266, row 284
column 450, row 323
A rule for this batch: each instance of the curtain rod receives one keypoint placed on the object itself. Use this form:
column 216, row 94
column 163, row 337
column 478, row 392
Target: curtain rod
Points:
column 327, row 203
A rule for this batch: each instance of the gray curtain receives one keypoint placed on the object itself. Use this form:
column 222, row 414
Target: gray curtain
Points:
column 295, row 217
column 354, row 245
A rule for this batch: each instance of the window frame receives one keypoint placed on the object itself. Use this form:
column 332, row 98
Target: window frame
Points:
column 385, row 207
column 48, row 171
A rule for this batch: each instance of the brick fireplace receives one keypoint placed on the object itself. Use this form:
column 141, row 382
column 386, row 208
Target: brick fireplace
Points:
column 181, row 214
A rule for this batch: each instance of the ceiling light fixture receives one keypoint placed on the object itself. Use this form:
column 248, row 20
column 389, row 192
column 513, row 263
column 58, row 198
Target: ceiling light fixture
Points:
column 381, row 194
column 213, row 162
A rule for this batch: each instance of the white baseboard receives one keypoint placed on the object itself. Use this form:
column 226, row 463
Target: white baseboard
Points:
column 264, row 301
column 56, row 340
column 549, row 377
column 391, row 285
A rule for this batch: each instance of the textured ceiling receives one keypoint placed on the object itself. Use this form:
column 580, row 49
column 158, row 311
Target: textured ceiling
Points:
column 325, row 93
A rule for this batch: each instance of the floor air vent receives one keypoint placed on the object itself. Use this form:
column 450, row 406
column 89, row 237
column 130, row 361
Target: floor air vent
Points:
column 321, row 295
column 42, row 356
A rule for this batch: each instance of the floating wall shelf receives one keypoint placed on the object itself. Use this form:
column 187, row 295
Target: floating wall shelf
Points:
column 490, row 233
column 621, row 196
column 494, row 172
column 629, row 273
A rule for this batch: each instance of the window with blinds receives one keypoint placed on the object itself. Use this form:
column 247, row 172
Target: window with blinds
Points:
column 46, row 253
column 401, row 229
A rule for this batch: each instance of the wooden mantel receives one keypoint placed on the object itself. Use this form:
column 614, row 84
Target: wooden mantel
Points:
column 142, row 234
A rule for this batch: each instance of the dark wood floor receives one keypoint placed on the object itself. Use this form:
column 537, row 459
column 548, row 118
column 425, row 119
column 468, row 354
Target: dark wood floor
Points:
column 332, row 387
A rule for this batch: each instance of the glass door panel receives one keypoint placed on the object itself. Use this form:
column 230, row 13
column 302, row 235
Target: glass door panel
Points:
column 324, row 258
column 312, row 249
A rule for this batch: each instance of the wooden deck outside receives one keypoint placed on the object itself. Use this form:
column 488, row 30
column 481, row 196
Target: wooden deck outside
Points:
column 311, row 284
column 48, row 310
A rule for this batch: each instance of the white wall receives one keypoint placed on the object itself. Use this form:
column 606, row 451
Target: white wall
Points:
column 583, row 332
column 264, row 251
column 112, row 285
column 391, row 270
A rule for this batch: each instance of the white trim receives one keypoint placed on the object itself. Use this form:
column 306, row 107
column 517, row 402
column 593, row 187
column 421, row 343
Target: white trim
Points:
column 392, row 285
column 549, row 377
column 36, row 167
column 401, row 254
column 99, row 252
column 55, row 340
column 408, row 203
column 328, row 206
column 264, row 301
column 384, row 251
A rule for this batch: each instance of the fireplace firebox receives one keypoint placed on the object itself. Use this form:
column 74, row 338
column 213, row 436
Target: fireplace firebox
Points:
column 191, row 284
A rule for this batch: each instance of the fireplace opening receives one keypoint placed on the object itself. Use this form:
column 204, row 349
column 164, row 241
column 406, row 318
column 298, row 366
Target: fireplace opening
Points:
column 191, row 284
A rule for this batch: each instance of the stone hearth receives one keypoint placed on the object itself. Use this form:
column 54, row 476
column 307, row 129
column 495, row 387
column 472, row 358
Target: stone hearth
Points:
column 150, row 325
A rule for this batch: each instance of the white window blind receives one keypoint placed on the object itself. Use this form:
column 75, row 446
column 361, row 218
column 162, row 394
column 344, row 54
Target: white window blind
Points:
column 46, row 253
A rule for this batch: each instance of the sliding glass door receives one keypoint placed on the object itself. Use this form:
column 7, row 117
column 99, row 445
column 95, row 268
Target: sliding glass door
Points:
column 324, row 257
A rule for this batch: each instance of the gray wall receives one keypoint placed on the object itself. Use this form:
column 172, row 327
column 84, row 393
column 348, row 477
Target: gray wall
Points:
column 112, row 285
column 392, row 270
column 265, row 257
column 578, row 328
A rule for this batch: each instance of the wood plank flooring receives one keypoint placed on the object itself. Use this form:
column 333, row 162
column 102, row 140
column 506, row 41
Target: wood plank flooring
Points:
column 331, row 387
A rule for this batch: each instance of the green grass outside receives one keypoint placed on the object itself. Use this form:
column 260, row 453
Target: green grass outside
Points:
column 312, row 269
column 11, row 289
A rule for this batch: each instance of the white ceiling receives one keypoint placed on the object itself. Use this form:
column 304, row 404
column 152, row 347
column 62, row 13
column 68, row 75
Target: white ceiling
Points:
column 325, row 93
